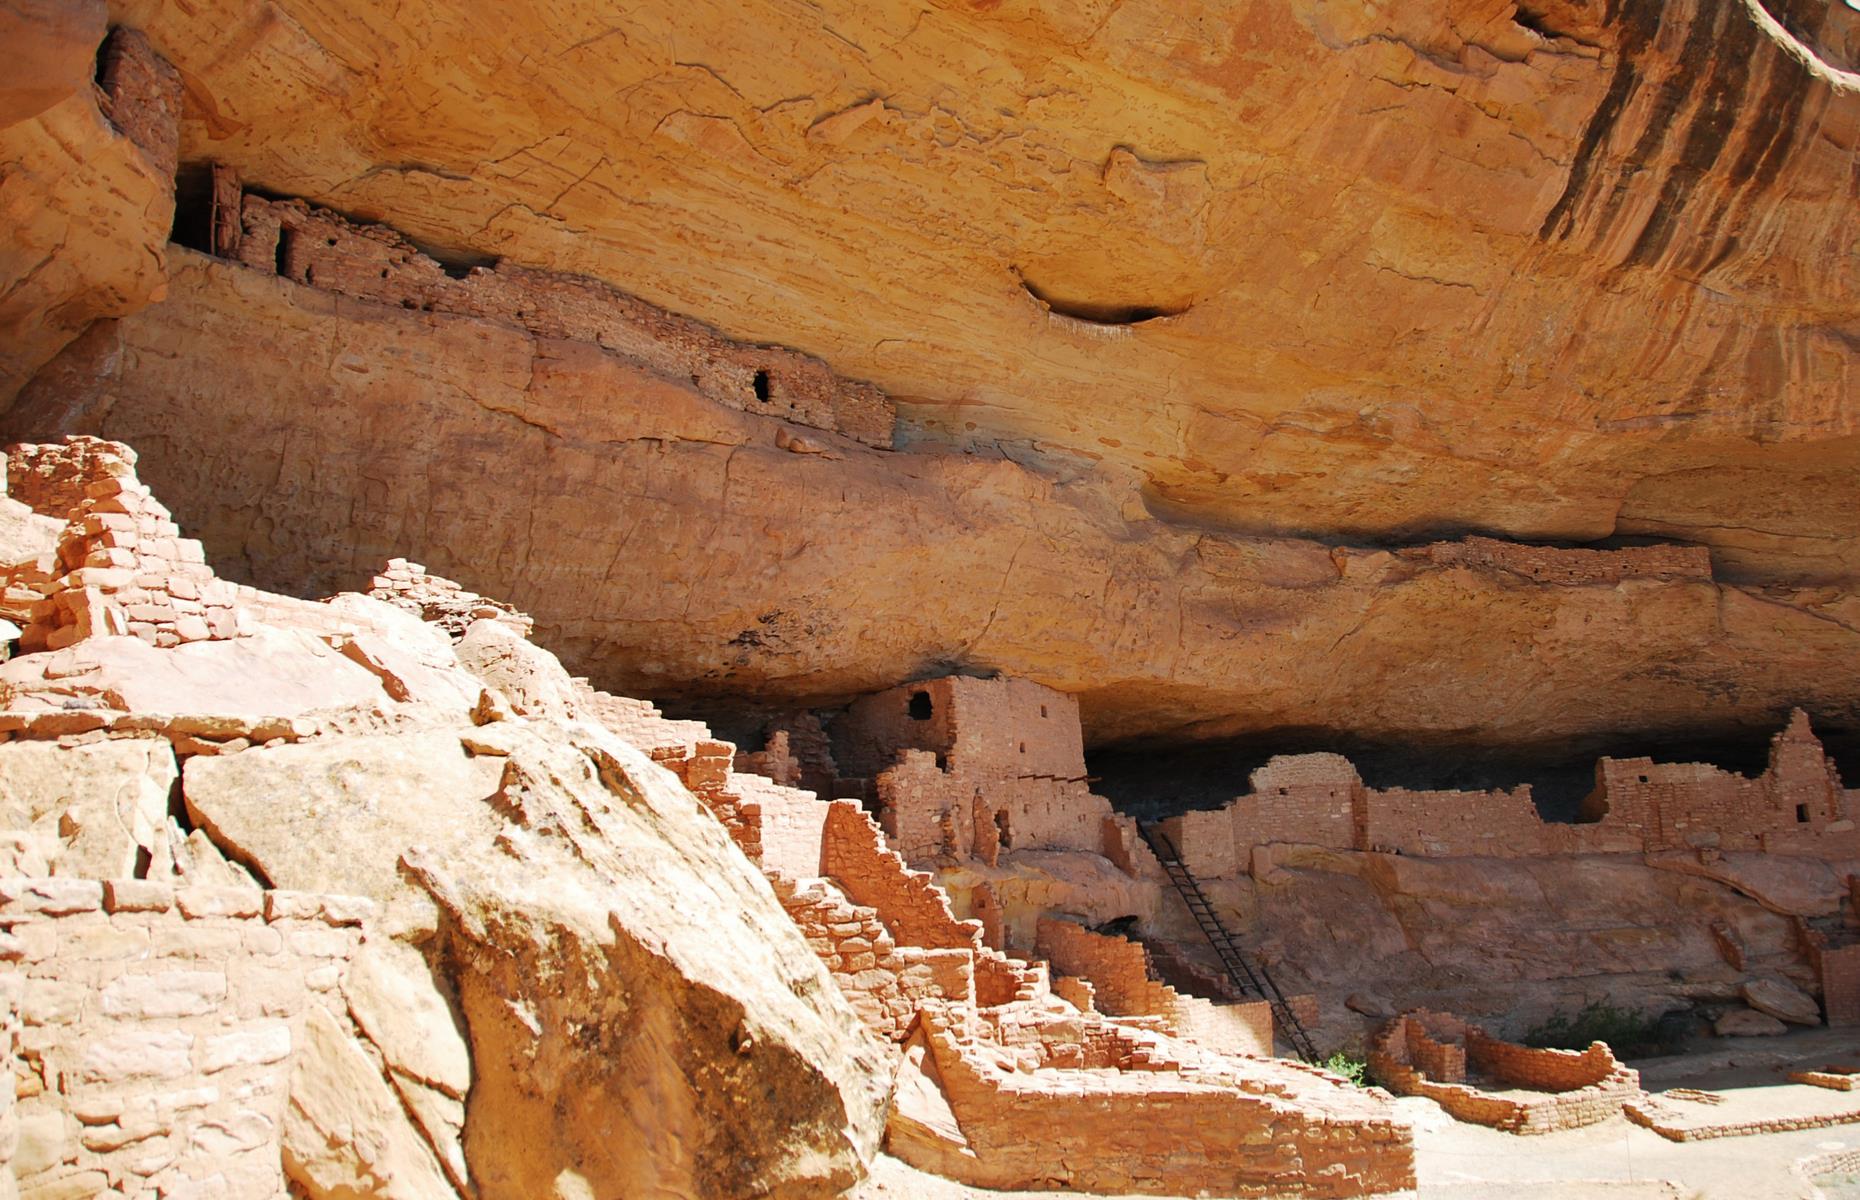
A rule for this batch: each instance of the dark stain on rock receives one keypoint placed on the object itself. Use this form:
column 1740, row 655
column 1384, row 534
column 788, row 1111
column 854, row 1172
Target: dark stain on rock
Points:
column 1768, row 139
column 1641, row 21
column 1727, row 54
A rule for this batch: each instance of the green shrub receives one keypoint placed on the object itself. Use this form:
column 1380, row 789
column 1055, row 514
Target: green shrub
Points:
column 1629, row 1034
column 1353, row 1069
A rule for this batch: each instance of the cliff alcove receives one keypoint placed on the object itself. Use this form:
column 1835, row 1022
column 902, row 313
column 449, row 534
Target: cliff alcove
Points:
column 710, row 599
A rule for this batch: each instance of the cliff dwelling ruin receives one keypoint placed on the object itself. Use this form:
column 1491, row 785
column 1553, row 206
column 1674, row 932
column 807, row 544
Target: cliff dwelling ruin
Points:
column 929, row 598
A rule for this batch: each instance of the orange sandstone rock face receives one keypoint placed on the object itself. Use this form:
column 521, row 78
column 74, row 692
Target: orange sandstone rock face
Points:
column 87, row 194
column 1285, row 266
column 668, row 544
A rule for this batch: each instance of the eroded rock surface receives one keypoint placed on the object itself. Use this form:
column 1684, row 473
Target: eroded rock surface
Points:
column 1287, row 265
column 432, row 916
column 88, row 191
column 668, row 545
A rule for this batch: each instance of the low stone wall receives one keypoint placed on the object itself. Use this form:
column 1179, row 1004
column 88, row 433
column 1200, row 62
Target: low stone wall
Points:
column 1149, row 1128
column 1429, row 1054
column 158, row 1028
column 440, row 601
column 1649, row 1114
column 885, row 983
column 1117, row 969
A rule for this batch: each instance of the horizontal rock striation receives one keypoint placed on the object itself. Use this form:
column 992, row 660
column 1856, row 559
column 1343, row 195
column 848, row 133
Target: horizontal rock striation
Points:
column 676, row 546
column 1552, row 272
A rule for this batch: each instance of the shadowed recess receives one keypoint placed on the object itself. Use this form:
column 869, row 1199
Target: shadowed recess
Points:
column 1100, row 312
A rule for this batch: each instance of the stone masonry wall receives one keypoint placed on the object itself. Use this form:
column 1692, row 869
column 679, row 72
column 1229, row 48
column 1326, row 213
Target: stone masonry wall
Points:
column 915, row 910
column 1118, row 969
column 1550, row 564
column 1840, row 985
column 793, row 825
column 1797, row 806
column 141, row 94
column 1119, row 982
column 50, row 477
column 974, row 768
column 158, row 1029
column 1430, row 1054
column 440, row 601
column 318, row 248
column 121, row 566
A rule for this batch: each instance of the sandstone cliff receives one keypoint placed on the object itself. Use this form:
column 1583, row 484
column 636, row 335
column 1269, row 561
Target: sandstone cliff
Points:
column 673, row 545
column 1547, row 269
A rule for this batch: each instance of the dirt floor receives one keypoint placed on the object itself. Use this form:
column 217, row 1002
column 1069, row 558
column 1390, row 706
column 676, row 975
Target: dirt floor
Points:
column 1610, row 1161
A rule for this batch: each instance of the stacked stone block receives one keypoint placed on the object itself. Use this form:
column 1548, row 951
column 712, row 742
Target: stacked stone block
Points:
column 441, row 601
column 1572, row 567
column 141, row 94
column 1117, row 968
column 853, row 944
column 639, row 722
column 914, row 908
column 158, row 1028
column 121, row 566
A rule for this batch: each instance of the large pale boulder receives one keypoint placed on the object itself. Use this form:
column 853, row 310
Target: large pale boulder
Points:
column 644, row 1018
column 345, row 1135
column 636, row 1012
column 274, row 674
column 1784, row 1001
column 101, row 807
column 529, row 677
column 335, row 814
column 1747, row 1022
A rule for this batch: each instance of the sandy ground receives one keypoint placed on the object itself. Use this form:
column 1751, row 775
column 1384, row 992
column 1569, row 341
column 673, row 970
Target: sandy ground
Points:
column 1610, row 1161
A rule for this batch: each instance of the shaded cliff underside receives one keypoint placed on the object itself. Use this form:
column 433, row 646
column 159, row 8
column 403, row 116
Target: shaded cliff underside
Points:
column 673, row 547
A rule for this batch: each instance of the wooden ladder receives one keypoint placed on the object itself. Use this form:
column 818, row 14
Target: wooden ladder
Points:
column 1251, row 978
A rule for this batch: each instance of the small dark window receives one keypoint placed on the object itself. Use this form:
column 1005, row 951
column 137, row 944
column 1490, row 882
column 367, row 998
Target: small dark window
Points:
column 1002, row 834
column 920, row 706
column 762, row 386
column 1043, row 710
column 1644, row 779
column 1801, row 814
column 1023, row 747
column 287, row 241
